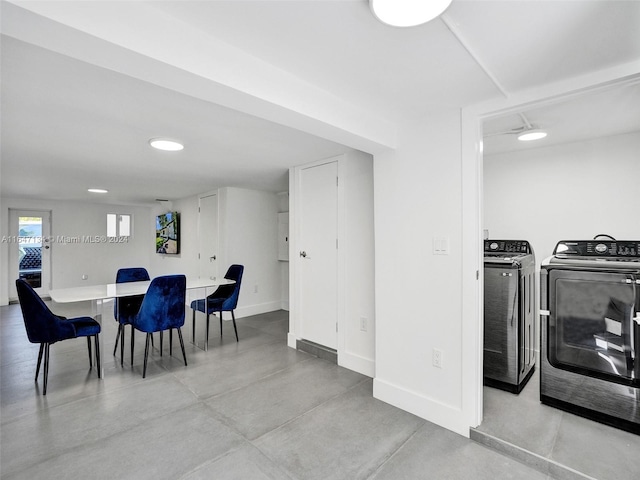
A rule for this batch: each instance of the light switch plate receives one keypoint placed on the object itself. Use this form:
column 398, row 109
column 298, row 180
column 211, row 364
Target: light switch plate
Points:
column 441, row 245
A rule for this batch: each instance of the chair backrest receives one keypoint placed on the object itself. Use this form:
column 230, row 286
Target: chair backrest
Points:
column 163, row 306
column 129, row 305
column 41, row 324
column 135, row 274
column 233, row 273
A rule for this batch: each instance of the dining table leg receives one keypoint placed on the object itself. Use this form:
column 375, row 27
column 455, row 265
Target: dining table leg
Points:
column 97, row 311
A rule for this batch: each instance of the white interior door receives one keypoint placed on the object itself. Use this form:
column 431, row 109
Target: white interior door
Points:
column 30, row 250
column 318, row 254
column 208, row 236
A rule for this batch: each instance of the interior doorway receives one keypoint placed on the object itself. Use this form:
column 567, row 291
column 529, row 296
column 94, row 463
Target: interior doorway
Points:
column 549, row 177
column 30, row 250
column 208, row 236
column 318, row 255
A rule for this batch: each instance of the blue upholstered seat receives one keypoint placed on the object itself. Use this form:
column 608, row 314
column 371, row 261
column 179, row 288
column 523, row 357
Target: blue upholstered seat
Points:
column 162, row 309
column 126, row 307
column 46, row 328
column 224, row 299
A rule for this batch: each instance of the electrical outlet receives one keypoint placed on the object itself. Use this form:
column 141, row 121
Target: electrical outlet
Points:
column 437, row 358
column 363, row 324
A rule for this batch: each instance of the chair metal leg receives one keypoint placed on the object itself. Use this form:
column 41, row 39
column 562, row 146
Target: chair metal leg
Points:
column 234, row 324
column 46, row 368
column 115, row 347
column 95, row 338
column 122, row 345
column 146, row 355
column 133, row 331
column 193, row 327
column 184, row 355
column 90, row 356
column 221, row 323
column 160, row 342
column 39, row 360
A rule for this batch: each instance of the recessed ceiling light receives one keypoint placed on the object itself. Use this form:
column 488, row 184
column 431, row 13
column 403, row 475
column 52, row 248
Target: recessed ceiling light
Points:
column 97, row 190
column 166, row 144
column 529, row 135
column 407, row 13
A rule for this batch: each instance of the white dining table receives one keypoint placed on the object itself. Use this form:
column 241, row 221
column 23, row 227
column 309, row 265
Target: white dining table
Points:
column 98, row 294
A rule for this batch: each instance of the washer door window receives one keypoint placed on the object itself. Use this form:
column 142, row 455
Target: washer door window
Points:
column 590, row 327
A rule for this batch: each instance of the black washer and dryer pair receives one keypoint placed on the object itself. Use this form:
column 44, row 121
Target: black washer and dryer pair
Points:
column 590, row 330
column 509, row 314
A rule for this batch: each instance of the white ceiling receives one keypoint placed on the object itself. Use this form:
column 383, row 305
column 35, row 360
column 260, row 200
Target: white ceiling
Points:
column 69, row 124
column 611, row 111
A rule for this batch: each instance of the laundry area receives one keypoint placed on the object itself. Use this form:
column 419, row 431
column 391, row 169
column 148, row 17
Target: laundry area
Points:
column 568, row 396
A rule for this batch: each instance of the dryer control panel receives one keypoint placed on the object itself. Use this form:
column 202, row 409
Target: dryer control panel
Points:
column 598, row 248
column 507, row 246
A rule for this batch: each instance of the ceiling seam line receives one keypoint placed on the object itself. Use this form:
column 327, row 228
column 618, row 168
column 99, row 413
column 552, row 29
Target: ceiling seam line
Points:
column 458, row 35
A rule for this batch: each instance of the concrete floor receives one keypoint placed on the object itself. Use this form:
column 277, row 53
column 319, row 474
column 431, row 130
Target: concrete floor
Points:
column 249, row 410
column 551, row 440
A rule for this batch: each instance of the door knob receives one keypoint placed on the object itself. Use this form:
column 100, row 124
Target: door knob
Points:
column 211, row 259
column 303, row 254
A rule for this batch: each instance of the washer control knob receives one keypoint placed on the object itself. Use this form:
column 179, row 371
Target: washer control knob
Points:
column 601, row 248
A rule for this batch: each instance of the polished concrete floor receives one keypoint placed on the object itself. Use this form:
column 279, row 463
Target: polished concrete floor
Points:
column 249, row 410
column 552, row 440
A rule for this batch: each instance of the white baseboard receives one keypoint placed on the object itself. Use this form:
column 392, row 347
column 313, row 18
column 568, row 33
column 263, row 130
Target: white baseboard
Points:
column 257, row 309
column 365, row 366
column 447, row 416
column 292, row 340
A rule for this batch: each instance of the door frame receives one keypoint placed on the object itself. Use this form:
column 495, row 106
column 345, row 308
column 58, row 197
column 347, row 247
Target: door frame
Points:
column 295, row 326
column 214, row 193
column 471, row 122
column 12, row 270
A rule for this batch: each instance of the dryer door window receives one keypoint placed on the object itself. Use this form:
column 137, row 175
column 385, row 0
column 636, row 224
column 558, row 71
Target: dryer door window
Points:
column 590, row 327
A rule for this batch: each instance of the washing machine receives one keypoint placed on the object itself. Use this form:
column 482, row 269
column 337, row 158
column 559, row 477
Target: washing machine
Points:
column 509, row 314
column 590, row 332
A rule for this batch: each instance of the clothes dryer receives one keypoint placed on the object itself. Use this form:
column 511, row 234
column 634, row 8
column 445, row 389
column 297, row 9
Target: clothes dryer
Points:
column 509, row 314
column 590, row 333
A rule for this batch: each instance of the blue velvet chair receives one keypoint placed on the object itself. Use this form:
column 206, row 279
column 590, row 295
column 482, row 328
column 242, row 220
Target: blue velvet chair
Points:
column 162, row 309
column 126, row 307
column 224, row 299
column 46, row 328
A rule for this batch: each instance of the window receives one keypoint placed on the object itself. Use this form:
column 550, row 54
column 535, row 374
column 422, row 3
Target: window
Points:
column 118, row 225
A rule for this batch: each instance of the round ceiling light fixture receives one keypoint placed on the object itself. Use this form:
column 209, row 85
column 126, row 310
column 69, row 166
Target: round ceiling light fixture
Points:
column 97, row 190
column 531, row 134
column 166, row 144
column 407, row 13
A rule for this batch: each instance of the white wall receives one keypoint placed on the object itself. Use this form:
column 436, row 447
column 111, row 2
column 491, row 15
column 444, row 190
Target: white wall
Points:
column 283, row 206
column 69, row 262
column 185, row 262
column 356, row 257
column 567, row 192
column 248, row 227
column 418, row 196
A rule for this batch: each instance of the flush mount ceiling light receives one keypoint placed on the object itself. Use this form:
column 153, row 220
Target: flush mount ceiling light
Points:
column 407, row 13
column 97, row 190
column 166, row 144
column 531, row 134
